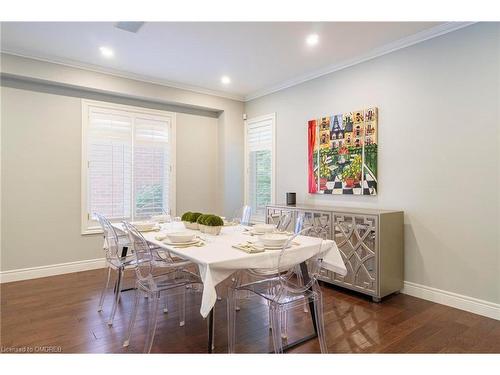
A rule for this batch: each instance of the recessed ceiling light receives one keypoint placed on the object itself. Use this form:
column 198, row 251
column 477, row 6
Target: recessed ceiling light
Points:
column 312, row 39
column 107, row 52
column 225, row 80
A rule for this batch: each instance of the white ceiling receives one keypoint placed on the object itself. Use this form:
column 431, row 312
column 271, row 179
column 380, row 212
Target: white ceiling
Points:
column 259, row 57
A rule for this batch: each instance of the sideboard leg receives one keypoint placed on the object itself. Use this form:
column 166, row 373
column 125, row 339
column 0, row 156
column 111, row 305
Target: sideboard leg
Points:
column 376, row 299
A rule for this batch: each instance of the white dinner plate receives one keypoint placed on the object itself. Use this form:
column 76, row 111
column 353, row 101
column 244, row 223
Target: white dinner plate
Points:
column 193, row 242
column 252, row 232
column 274, row 247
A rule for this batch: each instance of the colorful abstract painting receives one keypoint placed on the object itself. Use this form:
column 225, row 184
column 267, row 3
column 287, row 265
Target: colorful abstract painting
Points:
column 342, row 153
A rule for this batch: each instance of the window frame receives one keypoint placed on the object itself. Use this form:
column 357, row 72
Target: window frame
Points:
column 247, row 123
column 89, row 226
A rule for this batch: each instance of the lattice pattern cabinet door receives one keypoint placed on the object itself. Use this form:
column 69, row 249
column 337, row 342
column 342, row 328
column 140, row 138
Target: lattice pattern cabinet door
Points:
column 356, row 238
column 319, row 219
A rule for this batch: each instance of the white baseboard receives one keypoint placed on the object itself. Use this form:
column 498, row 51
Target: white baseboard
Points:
column 51, row 270
column 459, row 301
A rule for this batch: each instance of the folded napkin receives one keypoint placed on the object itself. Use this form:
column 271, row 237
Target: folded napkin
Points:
column 250, row 248
column 160, row 236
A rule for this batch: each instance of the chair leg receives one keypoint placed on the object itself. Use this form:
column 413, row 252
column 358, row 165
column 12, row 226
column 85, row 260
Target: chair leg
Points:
column 236, row 282
column 270, row 291
column 117, row 297
column 133, row 316
column 182, row 307
column 318, row 312
column 300, row 281
column 165, row 308
column 284, row 324
column 152, row 322
column 276, row 332
column 103, row 293
column 231, row 321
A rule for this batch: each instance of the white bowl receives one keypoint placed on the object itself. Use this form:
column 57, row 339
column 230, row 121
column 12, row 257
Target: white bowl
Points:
column 144, row 225
column 263, row 228
column 189, row 225
column 178, row 237
column 273, row 239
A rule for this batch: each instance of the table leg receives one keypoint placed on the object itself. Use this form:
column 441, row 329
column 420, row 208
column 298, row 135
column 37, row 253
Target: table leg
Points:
column 312, row 309
column 211, row 330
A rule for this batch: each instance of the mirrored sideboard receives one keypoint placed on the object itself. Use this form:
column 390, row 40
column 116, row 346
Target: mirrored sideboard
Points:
column 370, row 241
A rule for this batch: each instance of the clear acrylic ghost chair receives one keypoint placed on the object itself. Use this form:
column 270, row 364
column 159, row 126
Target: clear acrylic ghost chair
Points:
column 299, row 226
column 284, row 222
column 242, row 215
column 299, row 223
column 286, row 292
column 174, row 275
column 114, row 245
column 281, row 221
column 246, row 215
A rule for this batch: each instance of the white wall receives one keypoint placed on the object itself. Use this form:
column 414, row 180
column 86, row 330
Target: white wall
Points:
column 41, row 159
column 41, row 156
column 439, row 151
column 196, row 164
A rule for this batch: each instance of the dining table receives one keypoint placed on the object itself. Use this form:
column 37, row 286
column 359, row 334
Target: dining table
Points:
column 217, row 259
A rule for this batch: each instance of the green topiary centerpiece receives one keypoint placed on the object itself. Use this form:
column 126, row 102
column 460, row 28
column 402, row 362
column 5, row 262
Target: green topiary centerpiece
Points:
column 213, row 221
column 210, row 224
column 189, row 218
column 186, row 216
column 194, row 216
column 207, row 223
column 201, row 219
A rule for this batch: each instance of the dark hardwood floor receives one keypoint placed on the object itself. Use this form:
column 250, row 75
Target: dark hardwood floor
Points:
column 60, row 313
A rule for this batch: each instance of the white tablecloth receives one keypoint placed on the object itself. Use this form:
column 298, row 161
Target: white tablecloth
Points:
column 217, row 260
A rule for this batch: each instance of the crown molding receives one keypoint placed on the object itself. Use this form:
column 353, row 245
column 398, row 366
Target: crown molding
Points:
column 123, row 74
column 408, row 41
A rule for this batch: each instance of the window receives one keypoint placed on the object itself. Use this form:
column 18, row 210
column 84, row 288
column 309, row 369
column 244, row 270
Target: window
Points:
column 128, row 159
column 260, row 164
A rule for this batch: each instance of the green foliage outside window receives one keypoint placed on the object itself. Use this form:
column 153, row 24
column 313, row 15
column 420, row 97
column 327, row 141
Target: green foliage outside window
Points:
column 149, row 200
column 262, row 178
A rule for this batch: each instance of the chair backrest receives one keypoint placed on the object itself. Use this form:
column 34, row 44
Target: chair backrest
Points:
column 299, row 223
column 287, row 261
column 246, row 215
column 284, row 221
column 112, row 244
column 143, row 255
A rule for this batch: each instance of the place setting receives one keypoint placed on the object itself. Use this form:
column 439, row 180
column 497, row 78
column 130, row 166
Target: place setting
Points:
column 147, row 226
column 182, row 239
column 266, row 241
column 261, row 229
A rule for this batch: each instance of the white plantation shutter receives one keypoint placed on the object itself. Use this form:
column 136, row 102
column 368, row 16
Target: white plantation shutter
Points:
column 110, row 164
column 259, row 148
column 151, row 167
column 128, row 171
